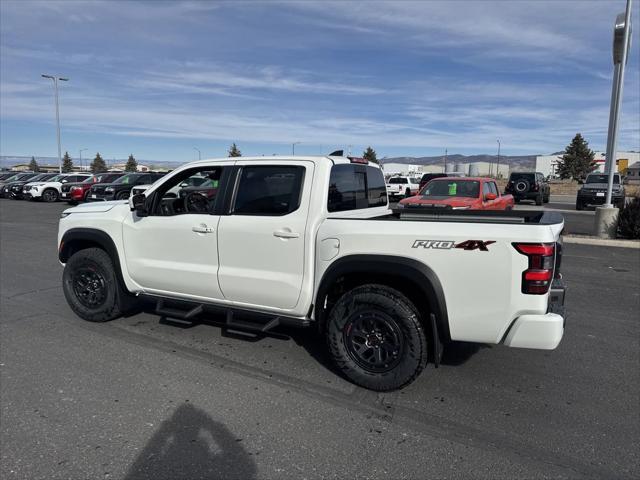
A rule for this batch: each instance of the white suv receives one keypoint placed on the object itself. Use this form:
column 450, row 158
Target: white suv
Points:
column 402, row 186
column 49, row 191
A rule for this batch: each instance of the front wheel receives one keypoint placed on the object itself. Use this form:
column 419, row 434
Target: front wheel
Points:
column 122, row 195
column 91, row 286
column 50, row 195
column 376, row 339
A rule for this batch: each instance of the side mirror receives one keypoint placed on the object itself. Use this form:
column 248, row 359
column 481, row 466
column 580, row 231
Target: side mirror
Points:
column 580, row 182
column 184, row 185
column 64, row 181
column 490, row 196
column 137, row 203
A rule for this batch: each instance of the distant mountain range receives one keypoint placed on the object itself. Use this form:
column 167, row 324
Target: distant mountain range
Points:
column 516, row 162
column 7, row 161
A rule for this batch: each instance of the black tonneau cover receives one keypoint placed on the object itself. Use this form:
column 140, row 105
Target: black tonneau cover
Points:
column 419, row 213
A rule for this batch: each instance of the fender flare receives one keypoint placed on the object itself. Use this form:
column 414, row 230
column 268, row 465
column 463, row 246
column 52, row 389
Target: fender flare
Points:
column 92, row 236
column 423, row 277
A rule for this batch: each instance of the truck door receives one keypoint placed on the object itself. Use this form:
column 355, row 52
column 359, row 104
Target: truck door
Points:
column 262, row 242
column 174, row 250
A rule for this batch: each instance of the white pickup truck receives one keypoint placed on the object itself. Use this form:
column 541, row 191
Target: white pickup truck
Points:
column 311, row 241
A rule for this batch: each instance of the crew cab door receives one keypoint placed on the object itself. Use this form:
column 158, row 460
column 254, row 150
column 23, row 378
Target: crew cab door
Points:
column 262, row 241
column 174, row 250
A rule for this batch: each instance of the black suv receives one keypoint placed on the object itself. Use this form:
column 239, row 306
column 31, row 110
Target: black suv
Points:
column 594, row 191
column 427, row 177
column 528, row 186
column 121, row 188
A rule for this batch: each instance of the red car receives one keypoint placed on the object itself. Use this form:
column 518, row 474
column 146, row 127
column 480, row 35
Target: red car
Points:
column 77, row 192
column 461, row 194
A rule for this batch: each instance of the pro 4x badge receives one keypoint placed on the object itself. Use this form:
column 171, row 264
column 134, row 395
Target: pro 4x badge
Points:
column 448, row 244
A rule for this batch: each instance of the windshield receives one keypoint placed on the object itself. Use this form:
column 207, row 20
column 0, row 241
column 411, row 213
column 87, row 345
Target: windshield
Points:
column 57, row 178
column 452, row 188
column 397, row 180
column 127, row 179
column 602, row 179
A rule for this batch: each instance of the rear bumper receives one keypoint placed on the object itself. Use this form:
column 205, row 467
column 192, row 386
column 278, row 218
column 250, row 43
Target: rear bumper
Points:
column 541, row 331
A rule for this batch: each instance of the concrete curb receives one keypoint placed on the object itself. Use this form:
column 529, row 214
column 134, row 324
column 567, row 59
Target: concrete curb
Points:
column 603, row 242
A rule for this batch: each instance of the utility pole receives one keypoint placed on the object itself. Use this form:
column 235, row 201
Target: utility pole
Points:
column 80, row 152
column 199, row 153
column 606, row 222
column 445, row 160
column 498, row 162
column 293, row 147
column 55, row 87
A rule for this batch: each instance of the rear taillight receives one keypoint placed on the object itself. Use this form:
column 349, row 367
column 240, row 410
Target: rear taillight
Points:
column 536, row 187
column 537, row 279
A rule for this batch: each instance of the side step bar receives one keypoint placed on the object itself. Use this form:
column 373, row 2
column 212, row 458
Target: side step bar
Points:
column 244, row 325
column 187, row 315
column 176, row 312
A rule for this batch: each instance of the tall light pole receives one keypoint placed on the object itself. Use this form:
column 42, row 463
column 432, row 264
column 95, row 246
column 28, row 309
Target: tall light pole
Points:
column 80, row 152
column 293, row 147
column 445, row 160
column 606, row 221
column 55, row 87
column 498, row 162
column 199, row 153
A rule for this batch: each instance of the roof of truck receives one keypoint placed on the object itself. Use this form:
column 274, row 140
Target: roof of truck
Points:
column 285, row 158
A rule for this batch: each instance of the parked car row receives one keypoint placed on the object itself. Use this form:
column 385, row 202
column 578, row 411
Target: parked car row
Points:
column 72, row 187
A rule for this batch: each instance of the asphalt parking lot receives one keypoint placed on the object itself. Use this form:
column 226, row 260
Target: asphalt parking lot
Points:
column 136, row 398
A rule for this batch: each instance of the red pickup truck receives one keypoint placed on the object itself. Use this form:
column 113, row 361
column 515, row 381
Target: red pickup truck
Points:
column 466, row 193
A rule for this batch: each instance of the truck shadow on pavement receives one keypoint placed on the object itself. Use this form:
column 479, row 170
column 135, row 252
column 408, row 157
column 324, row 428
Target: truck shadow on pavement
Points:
column 191, row 445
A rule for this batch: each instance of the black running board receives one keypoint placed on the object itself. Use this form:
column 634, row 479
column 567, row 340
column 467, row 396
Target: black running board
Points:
column 177, row 313
column 248, row 326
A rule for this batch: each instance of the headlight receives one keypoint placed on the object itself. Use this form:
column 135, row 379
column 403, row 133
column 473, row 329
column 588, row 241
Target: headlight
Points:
column 400, row 205
column 64, row 214
column 462, row 208
column 108, row 189
column 73, row 189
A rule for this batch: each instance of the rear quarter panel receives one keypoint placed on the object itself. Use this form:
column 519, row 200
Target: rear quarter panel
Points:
column 481, row 288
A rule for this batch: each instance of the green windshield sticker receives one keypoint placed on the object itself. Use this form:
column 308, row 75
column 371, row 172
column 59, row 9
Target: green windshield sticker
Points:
column 453, row 188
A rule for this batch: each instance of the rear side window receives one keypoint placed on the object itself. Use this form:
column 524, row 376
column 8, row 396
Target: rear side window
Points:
column 494, row 188
column 269, row 190
column 397, row 180
column 352, row 187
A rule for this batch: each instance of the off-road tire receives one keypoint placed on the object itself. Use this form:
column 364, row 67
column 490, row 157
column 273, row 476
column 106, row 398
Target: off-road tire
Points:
column 116, row 301
column 539, row 200
column 387, row 303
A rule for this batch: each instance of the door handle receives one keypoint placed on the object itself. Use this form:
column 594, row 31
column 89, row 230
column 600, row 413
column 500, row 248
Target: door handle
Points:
column 202, row 229
column 285, row 234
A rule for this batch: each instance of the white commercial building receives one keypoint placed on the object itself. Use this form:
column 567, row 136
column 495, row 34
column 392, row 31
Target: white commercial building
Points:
column 401, row 169
column 548, row 164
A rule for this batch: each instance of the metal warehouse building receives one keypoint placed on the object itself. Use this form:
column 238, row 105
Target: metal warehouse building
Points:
column 547, row 164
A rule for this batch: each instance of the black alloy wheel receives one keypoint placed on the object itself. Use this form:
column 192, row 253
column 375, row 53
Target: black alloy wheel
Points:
column 89, row 286
column 374, row 341
column 50, row 195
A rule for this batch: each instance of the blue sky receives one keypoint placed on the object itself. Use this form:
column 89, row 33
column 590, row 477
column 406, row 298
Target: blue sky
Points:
column 409, row 78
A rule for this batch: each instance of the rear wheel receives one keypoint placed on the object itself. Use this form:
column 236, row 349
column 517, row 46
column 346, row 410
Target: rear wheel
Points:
column 91, row 287
column 539, row 200
column 50, row 195
column 376, row 339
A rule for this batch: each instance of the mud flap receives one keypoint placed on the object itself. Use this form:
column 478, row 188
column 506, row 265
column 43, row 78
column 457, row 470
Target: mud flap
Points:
column 437, row 343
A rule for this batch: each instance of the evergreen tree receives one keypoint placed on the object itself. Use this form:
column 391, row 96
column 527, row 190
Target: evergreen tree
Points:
column 33, row 165
column 578, row 159
column 234, row 151
column 370, row 155
column 67, row 163
column 98, row 164
column 132, row 165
